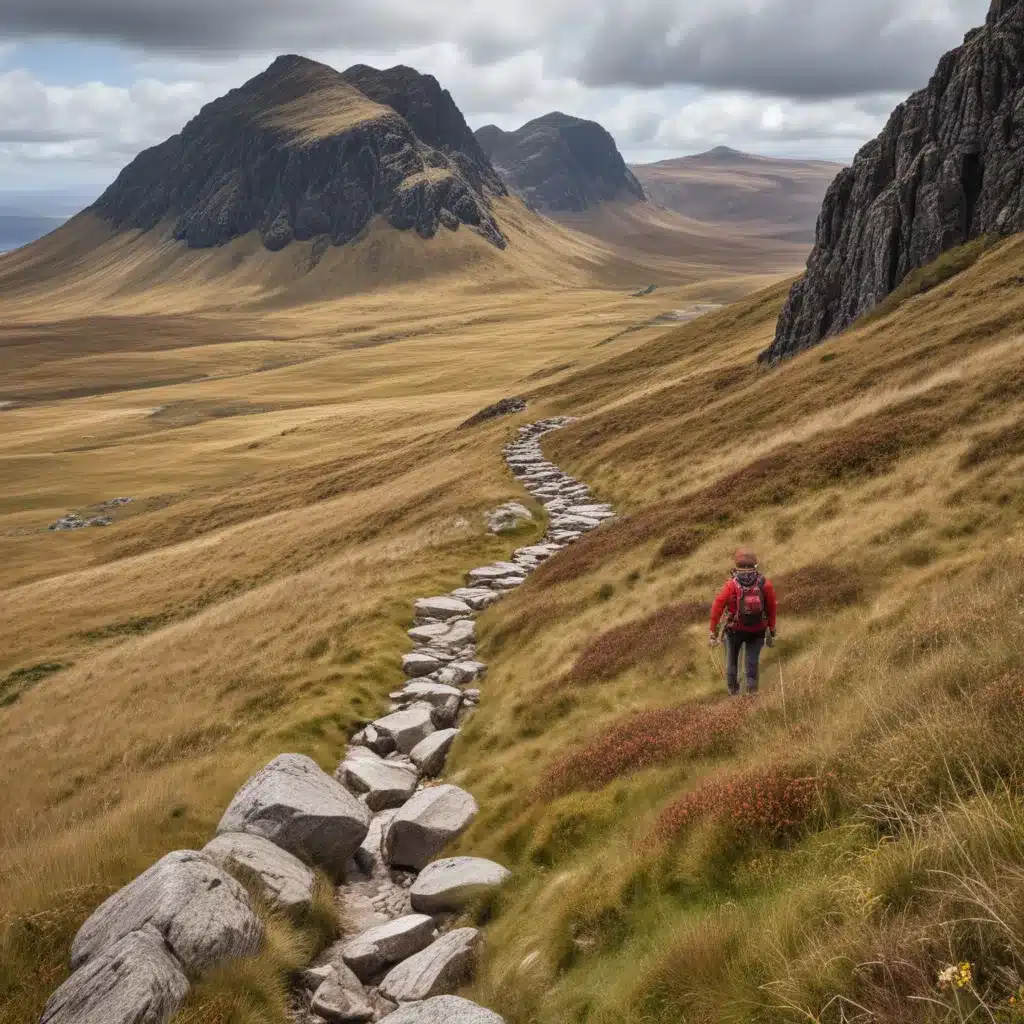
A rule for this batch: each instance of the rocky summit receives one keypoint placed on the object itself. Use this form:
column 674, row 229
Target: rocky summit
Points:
column 947, row 167
column 560, row 164
column 303, row 152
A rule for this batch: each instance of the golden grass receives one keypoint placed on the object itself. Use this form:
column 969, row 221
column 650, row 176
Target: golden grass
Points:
column 298, row 478
column 882, row 487
column 330, row 110
column 254, row 599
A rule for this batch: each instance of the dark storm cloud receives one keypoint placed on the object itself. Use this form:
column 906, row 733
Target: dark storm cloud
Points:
column 222, row 26
column 811, row 49
column 806, row 49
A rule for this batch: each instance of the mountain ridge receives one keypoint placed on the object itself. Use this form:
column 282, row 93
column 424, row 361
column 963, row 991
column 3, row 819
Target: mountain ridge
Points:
column 776, row 196
column 300, row 152
column 559, row 163
column 946, row 168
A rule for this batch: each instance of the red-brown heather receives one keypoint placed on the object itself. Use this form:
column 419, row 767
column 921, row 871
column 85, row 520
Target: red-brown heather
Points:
column 766, row 803
column 642, row 641
column 647, row 738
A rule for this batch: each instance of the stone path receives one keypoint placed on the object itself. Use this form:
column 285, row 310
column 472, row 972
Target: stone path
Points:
column 381, row 822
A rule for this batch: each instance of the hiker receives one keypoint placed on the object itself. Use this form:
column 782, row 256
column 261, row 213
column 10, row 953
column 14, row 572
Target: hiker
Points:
column 748, row 599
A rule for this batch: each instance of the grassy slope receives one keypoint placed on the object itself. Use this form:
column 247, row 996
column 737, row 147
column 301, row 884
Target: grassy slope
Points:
column 298, row 479
column 823, row 855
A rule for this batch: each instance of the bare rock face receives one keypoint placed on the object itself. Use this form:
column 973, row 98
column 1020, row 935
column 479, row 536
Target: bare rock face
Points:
column 203, row 914
column 134, row 981
column 426, row 824
column 440, row 969
column 560, row 164
column 300, row 808
column 302, row 152
column 283, row 878
column 444, row 1010
column 947, row 168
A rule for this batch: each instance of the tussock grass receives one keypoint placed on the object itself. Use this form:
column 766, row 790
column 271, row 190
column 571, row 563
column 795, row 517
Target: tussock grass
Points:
column 859, row 831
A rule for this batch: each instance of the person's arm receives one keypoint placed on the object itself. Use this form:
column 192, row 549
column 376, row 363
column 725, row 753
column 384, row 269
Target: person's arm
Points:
column 770, row 603
column 719, row 606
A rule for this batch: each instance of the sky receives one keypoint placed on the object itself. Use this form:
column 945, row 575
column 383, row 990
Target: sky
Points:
column 86, row 84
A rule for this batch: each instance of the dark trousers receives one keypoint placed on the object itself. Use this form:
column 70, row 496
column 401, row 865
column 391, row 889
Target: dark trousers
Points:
column 752, row 644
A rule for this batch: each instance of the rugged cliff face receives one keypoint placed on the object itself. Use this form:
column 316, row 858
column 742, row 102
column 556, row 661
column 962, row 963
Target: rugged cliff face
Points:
column 301, row 153
column 560, row 164
column 948, row 167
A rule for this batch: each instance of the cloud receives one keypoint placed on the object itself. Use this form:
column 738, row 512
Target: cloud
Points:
column 91, row 122
column 796, row 77
column 797, row 48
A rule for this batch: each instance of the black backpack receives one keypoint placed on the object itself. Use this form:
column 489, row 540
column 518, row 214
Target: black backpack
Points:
column 751, row 604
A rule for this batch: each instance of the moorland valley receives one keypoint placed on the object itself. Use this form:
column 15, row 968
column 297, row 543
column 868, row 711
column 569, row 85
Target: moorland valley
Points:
column 257, row 363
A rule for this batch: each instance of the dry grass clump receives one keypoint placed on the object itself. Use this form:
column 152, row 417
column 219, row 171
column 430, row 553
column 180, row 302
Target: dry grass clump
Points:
column 645, row 739
column 642, row 641
column 763, row 803
column 1000, row 444
column 819, row 588
column 864, row 448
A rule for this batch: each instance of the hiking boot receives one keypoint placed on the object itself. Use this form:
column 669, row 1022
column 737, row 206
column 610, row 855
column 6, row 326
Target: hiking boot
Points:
column 734, row 691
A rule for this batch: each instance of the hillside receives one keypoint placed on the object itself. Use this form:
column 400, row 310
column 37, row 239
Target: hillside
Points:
column 254, row 596
column 289, row 445
column 777, row 197
column 560, row 164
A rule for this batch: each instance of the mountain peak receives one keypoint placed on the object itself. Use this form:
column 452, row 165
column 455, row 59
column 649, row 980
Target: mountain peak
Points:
column 723, row 153
column 560, row 163
column 303, row 152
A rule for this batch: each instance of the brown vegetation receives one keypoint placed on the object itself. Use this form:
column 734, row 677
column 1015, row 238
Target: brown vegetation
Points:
column 644, row 641
column 645, row 739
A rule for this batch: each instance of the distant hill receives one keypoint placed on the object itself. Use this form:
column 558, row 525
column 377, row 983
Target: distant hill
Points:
column 303, row 152
column 560, row 164
column 773, row 196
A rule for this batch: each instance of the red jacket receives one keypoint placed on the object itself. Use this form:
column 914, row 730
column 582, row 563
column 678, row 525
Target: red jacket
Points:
column 728, row 600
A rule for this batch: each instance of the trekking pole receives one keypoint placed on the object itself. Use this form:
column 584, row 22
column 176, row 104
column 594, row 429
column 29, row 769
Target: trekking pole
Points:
column 782, row 686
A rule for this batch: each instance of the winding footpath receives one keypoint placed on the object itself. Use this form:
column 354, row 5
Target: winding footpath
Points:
column 380, row 823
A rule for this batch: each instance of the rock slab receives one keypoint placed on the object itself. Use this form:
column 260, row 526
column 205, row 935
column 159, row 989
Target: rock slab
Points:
column 444, row 1010
column 134, row 981
column 203, row 914
column 367, row 954
column 450, row 885
column 283, row 878
column 426, row 824
column 440, row 969
column 299, row 807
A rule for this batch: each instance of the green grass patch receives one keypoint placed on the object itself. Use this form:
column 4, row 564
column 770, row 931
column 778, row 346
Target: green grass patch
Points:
column 924, row 279
column 15, row 683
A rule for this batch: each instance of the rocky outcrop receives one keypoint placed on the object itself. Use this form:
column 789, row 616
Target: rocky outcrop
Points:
column 204, row 916
column 948, row 167
column 282, row 878
column 301, row 152
column 303, row 810
column 433, row 116
column 560, row 164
